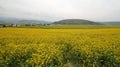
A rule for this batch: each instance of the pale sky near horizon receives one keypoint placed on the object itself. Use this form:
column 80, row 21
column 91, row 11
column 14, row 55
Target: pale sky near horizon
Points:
column 53, row 10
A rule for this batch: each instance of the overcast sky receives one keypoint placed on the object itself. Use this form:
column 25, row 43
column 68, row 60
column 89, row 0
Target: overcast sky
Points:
column 52, row 10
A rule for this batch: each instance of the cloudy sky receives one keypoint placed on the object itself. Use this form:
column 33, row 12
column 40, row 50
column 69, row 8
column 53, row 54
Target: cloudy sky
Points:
column 52, row 10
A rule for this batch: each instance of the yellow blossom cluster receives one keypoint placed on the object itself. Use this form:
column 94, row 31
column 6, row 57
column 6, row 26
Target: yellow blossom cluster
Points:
column 34, row 47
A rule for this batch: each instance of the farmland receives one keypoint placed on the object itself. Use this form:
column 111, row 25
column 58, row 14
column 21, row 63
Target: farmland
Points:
column 33, row 47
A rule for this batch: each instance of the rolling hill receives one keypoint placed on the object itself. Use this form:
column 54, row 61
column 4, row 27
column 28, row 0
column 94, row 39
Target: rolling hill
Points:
column 76, row 22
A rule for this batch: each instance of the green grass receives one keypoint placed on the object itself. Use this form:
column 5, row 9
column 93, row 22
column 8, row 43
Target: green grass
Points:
column 73, row 27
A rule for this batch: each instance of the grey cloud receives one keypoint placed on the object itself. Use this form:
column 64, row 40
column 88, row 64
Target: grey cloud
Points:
column 97, row 10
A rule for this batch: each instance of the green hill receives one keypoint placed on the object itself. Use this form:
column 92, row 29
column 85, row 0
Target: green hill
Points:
column 76, row 22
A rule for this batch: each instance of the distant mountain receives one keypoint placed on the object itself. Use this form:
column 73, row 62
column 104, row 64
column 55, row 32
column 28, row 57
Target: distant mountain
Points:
column 112, row 23
column 76, row 22
column 17, row 21
column 8, row 20
column 34, row 21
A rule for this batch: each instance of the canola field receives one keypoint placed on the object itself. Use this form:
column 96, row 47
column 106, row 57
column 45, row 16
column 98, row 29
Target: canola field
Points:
column 30, row 47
